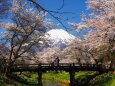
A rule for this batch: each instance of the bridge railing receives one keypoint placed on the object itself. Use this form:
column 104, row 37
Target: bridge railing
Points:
column 61, row 65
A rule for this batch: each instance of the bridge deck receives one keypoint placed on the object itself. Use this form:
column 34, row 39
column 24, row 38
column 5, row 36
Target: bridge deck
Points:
column 62, row 66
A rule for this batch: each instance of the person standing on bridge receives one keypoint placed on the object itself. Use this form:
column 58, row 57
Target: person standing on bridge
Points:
column 57, row 61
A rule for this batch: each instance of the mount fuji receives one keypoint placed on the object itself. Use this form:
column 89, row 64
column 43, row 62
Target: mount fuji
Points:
column 59, row 37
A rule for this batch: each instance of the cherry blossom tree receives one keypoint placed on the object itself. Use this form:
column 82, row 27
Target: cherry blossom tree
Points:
column 77, row 52
column 100, row 38
column 25, row 34
column 48, row 55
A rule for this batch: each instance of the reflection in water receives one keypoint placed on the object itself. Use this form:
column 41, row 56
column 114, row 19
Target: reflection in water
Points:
column 52, row 83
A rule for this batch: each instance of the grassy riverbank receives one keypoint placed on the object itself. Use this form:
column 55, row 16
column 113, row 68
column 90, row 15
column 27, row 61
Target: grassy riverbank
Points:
column 30, row 79
column 4, row 81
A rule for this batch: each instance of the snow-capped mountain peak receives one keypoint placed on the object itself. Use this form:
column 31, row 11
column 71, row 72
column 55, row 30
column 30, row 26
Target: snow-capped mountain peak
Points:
column 59, row 35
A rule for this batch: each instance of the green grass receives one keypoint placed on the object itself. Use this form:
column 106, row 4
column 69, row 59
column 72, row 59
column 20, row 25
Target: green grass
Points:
column 111, row 82
column 84, row 73
column 56, row 76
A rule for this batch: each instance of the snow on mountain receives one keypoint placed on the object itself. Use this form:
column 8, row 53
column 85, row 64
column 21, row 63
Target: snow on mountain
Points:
column 59, row 36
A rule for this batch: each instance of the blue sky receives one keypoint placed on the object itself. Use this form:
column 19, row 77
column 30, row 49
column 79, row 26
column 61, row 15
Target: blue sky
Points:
column 75, row 7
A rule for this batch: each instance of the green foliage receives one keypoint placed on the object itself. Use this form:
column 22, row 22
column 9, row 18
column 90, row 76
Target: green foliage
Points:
column 101, row 80
column 29, row 78
column 82, row 77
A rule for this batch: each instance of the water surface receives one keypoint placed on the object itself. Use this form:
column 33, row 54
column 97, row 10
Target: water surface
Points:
column 53, row 83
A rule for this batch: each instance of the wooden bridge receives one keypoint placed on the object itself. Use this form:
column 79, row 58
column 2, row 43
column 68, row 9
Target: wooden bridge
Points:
column 68, row 67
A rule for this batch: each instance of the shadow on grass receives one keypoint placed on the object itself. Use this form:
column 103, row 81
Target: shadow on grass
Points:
column 16, row 78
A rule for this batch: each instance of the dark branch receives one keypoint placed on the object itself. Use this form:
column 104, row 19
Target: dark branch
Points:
column 39, row 7
column 62, row 5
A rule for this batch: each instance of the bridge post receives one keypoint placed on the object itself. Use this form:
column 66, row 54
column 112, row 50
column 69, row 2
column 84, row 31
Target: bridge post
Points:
column 72, row 75
column 40, row 75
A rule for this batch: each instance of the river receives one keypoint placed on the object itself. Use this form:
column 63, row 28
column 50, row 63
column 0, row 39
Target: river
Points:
column 53, row 83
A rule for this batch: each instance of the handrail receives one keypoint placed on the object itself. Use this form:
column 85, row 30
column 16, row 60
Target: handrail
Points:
column 60, row 64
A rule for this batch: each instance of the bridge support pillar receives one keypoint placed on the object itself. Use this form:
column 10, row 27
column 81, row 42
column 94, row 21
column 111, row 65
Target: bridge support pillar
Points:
column 40, row 78
column 72, row 75
column 40, row 75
